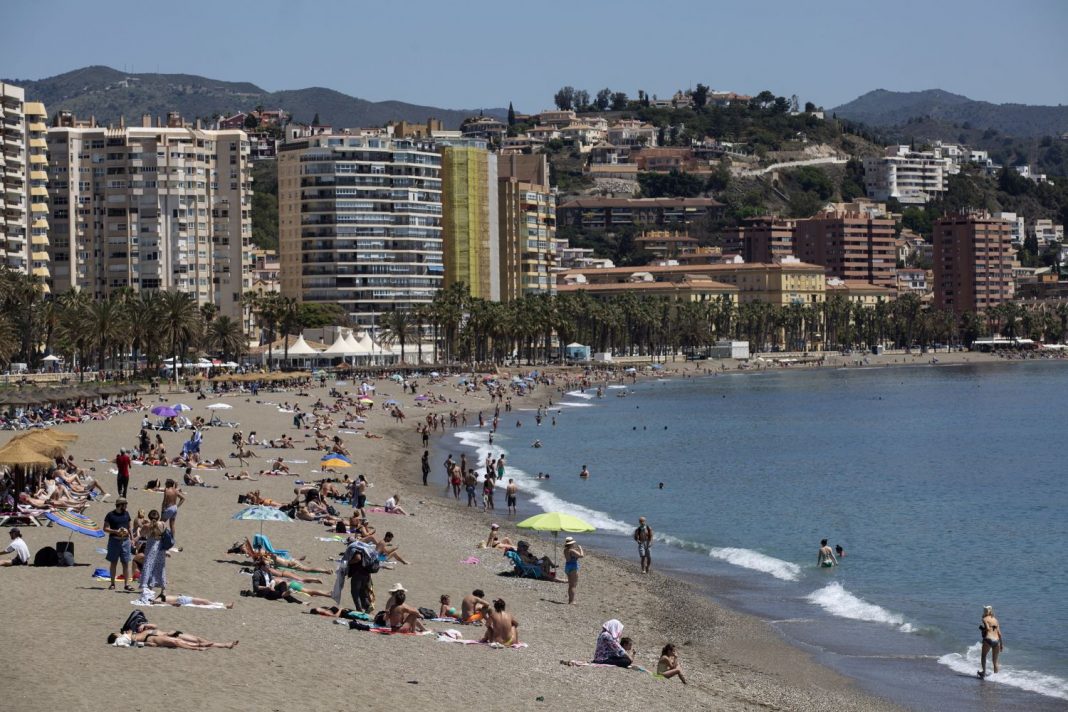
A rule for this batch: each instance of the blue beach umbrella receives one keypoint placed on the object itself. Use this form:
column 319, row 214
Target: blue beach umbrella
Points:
column 261, row 514
column 75, row 522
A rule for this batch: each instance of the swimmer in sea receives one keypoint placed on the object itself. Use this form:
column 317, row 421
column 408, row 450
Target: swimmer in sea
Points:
column 825, row 557
column 839, row 551
column 536, row 443
column 585, row 474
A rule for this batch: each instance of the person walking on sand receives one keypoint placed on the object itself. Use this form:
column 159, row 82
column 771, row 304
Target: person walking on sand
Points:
column 154, row 570
column 572, row 553
column 122, row 463
column 993, row 642
column 172, row 500
column 644, row 536
column 117, row 527
column 426, row 466
column 510, row 495
column 825, row 557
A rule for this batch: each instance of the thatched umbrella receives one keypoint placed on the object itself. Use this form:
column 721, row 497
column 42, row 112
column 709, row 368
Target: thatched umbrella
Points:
column 42, row 441
column 21, row 458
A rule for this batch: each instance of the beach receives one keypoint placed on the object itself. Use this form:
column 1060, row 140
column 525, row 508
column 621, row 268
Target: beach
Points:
column 733, row 661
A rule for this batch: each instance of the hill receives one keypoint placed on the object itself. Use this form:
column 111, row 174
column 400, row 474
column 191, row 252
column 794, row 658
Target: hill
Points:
column 884, row 108
column 107, row 94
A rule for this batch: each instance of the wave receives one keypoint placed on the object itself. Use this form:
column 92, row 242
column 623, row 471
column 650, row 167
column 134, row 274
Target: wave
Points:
column 576, row 405
column 837, row 601
column 617, row 387
column 1030, row 680
column 579, row 394
column 749, row 559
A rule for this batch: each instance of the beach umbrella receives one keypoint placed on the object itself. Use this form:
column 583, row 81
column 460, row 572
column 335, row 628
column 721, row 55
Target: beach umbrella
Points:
column 258, row 513
column 164, row 411
column 219, row 406
column 396, row 377
column 51, row 358
column 181, row 407
column 75, row 522
column 367, row 401
column 434, row 374
column 630, row 370
column 230, row 364
column 43, row 442
column 421, row 398
column 335, row 459
column 556, row 522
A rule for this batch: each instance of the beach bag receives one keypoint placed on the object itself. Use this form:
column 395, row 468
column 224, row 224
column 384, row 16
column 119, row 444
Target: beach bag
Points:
column 380, row 620
column 151, row 484
column 166, row 541
column 133, row 623
column 242, row 499
column 46, row 556
column 427, row 613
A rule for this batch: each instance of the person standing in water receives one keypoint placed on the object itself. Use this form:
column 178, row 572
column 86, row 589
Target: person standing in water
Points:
column 644, row 536
column 993, row 643
column 825, row 557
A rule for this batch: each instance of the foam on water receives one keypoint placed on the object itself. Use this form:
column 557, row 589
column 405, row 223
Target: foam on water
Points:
column 615, row 388
column 576, row 405
column 970, row 662
column 749, row 559
column 579, row 394
column 837, row 601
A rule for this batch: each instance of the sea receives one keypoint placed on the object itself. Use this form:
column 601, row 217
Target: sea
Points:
column 945, row 485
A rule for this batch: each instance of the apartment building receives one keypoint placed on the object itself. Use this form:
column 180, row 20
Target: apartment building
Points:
column 972, row 263
column 852, row 246
column 1017, row 223
column 761, row 239
column 470, row 223
column 23, row 183
column 912, row 177
column 616, row 213
column 359, row 220
column 787, row 282
column 527, row 214
column 1047, row 231
column 151, row 208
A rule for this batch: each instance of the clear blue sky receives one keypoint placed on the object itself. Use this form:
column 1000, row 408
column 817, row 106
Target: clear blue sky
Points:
column 474, row 53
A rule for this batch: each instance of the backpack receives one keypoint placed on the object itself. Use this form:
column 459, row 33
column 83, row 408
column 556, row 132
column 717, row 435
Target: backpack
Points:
column 427, row 613
column 166, row 541
column 134, row 622
column 46, row 556
column 363, row 555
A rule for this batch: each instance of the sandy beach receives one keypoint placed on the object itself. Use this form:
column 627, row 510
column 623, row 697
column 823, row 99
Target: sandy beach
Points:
column 56, row 620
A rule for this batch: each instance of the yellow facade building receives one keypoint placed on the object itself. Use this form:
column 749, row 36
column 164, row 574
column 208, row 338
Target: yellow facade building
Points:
column 469, row 220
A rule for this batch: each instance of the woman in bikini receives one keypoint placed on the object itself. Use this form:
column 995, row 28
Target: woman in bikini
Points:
column 572, row 553
column 992, row 640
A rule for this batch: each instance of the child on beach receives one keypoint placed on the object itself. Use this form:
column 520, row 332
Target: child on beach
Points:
column 669, row 666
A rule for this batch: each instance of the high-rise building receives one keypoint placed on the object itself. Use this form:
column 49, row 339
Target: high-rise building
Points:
column 23, row 183
column 359, row 220
column 527, row 226
column 972, row 262
column 761, row 239
column 470, row 227
column 151, row 208
column 907, row 175
column 852, row 246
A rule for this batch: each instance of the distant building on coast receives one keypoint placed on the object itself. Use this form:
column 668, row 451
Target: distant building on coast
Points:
column 23, row 184
column 972, row 262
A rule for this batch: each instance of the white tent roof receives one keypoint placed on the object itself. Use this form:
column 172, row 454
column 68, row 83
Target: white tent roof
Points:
column 301, row 348
column 340, row 347
column 364, row 346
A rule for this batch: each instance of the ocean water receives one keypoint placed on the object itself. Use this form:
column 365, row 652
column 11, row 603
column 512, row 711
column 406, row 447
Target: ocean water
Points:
column 945, row 485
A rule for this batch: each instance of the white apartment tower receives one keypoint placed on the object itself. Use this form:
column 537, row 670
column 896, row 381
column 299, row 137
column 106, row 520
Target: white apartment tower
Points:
column 359, row 220
column 24, row 183
column 151, row 208
column 909, row 176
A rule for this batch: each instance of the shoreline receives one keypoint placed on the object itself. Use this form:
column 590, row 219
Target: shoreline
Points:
column 734, row 660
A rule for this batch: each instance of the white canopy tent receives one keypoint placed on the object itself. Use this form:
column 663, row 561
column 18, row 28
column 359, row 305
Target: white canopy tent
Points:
column 301, row 349
column 340, row 347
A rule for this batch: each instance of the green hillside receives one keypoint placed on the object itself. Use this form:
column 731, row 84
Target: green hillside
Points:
column 108, row 94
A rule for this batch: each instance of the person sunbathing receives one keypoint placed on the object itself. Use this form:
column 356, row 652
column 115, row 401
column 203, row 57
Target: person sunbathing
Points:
column 254, row 497
column 474, row 606
column 243, row 475
column 337, row 612
column 402, row 617
column 279, row 465
column 174, row 639
column 387, row 552
column 55, row 503
column 495, row 540
column 192, row 479
column 546, row 565
column 178, row 600
column 501, row 626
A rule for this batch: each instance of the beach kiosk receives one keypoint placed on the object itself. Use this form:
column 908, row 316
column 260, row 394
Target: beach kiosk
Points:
column 577, row 352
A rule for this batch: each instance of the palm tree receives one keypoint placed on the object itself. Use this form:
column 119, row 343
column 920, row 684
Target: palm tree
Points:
column 269, row 308
column 228, row 337
column 180, row 319
column 396, row 327
column 105, row 323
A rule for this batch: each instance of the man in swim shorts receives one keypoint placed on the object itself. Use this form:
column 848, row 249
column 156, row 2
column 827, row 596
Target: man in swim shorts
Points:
column 644, row 536
column 510, row 495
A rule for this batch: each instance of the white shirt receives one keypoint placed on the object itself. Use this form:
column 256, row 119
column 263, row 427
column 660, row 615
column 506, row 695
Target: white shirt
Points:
column 390, row 504
column 22, row 552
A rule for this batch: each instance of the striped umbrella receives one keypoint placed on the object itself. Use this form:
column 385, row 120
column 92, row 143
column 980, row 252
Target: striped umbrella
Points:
column 335, row 460
column 261, row 514
column 75, row 522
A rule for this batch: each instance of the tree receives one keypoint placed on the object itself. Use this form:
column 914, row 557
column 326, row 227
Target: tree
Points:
column 180, row 319
column 226, row 336
column 619, row 101
column 670, row 185
column 582, row 100
column 565, row 98
column 396, row 328
column 315, row 119
column 809, row 107
column 700, row 96
column 511, row 115
column 603, row 100
column 251, row 121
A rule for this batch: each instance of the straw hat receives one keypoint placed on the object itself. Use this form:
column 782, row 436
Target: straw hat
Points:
column 568, row 541
column 398, row 587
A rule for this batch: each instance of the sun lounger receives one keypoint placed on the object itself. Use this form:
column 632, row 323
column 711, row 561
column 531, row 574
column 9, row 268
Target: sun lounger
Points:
column 522, row 568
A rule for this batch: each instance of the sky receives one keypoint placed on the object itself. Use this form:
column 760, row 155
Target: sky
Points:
column 476, row 54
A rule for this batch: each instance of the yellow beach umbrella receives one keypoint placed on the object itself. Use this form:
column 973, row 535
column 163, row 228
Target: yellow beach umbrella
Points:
column 556, row 522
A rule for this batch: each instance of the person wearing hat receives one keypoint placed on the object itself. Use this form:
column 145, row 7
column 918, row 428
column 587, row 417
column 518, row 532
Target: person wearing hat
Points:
column 117, row 527
column 122, row 462
column 19, row 548
column 495, row 540
column 572, row 553
column 393, row 591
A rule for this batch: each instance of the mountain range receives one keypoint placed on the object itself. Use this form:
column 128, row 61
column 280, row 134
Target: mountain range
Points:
column 107, row 94
column 882, row 108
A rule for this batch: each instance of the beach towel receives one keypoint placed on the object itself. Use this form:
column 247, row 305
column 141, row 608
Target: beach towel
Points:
column 445, row 638
column 381, row 510
column 470, row 560
column 214, row 606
